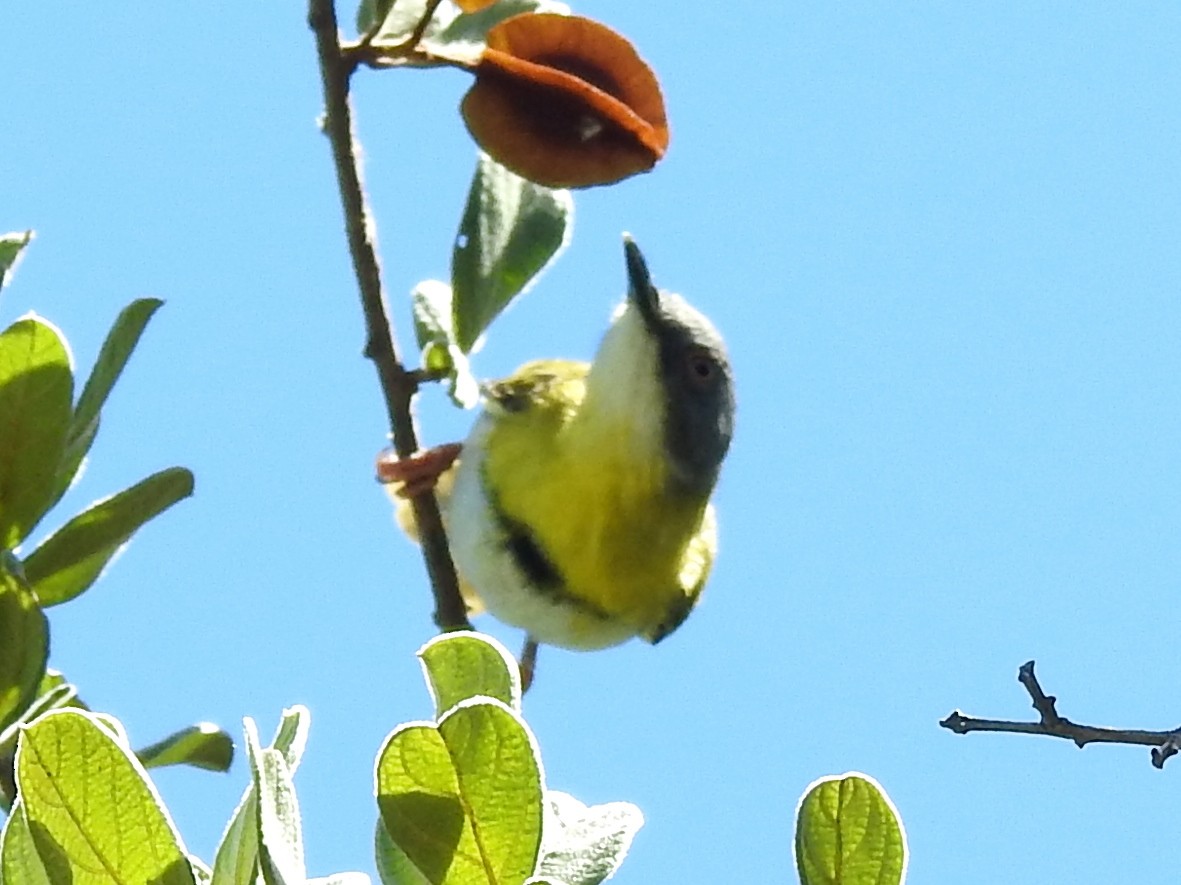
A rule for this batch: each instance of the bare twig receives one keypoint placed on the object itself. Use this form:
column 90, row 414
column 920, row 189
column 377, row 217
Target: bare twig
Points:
column 1164, row 743
column 397, row 384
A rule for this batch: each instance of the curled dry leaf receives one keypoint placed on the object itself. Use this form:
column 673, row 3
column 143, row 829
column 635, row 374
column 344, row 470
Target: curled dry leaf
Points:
column 566, row 102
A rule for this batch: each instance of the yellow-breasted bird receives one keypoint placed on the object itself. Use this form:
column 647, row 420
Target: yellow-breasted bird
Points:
column 580, row 507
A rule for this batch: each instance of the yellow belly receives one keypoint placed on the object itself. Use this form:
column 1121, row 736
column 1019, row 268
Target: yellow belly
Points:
column 600, row 512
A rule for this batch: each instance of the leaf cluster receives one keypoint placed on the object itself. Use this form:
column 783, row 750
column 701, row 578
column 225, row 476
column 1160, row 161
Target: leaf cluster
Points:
column 46, row 434
column 462, row 800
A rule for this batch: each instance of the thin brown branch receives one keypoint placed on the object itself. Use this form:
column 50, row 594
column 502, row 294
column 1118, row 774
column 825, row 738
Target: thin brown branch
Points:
column 378, row 56
column 1050, row 724
column 398, row 385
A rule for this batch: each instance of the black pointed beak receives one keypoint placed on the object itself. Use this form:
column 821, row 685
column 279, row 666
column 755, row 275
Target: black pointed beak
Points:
column 640, row 290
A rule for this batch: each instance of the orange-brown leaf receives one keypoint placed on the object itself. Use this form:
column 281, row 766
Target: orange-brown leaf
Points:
column 566, row 102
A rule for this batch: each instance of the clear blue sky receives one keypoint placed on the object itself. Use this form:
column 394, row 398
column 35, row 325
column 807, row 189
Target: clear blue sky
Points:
column 943, row 244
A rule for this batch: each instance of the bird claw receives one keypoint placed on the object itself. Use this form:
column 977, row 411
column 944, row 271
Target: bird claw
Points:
column 419, row 473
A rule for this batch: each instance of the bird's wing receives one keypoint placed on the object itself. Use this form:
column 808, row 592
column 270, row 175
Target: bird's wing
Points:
column 556, row 386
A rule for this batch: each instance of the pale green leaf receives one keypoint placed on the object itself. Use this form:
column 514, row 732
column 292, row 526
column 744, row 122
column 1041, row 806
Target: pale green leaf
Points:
column 463, row 800
column 94, row 814
column 280, row 834
column 466, row 664
column 419, row 798
column 36, row 393
column 510, row 230
column 236, row 862
column 585, row 845
column 848, row 833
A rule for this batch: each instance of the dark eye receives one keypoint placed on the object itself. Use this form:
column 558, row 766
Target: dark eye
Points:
column 700, row 365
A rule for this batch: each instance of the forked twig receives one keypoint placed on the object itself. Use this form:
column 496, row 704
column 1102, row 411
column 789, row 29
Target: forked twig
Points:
column 398, row 384
column 1164, row 743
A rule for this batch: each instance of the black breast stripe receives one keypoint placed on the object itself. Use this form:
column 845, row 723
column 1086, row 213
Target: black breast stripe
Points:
column 537, row 568
column 529, row 556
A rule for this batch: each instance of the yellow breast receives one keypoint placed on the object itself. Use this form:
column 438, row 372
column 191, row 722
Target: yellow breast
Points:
column 592, row 492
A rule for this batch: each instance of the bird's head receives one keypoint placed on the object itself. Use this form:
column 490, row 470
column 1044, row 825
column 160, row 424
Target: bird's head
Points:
column 663, row 368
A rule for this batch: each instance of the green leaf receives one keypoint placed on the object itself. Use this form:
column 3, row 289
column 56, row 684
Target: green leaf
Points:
column 203, row 745
column 120, row 342
column 19, row 861
column 53, row 693
column 73, row 557
column 56, row 691
column 36, row 392
column 511, row 229
column 112, row 358
column 462, row 800
column 464, row 665
column 585, row 846
column 93, row 813
column 848, row 833
column 53, row 681
column 12, row 246
column 291, row 734
column 280, row 839
column 24, row 647
column 431, row 300
column 393, row 866
column 472, row 27
column 236, row 862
